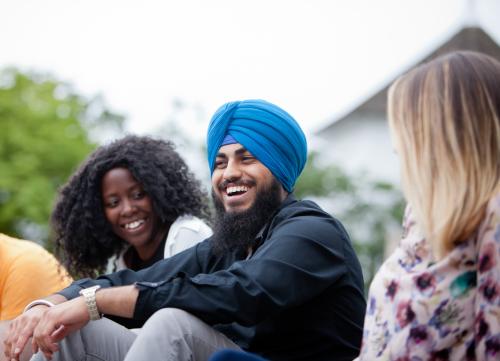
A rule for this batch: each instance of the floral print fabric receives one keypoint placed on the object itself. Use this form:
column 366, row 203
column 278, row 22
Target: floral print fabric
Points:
column 420, row 310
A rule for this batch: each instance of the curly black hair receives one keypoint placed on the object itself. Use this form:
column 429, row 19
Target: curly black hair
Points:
column 84, row 240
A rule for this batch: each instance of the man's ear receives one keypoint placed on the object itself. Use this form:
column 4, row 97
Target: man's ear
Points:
column 284, row 193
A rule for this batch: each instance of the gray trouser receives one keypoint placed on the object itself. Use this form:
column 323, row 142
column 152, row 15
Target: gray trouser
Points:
column 169, row 335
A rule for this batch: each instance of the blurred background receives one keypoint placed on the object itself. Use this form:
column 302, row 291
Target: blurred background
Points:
column 76, row 74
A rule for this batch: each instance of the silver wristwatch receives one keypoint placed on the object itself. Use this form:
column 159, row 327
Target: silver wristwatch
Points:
column 89, row 295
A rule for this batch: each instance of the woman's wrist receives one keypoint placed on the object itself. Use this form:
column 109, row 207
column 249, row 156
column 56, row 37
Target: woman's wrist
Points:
column 38, row 303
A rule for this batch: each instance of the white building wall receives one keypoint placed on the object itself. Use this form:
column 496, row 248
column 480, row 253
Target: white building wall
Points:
column 361, row 144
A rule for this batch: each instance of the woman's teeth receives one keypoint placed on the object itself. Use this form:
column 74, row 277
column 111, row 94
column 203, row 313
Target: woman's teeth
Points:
column 134, row 225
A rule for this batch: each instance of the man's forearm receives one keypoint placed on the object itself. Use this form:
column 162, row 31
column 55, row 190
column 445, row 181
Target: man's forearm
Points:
column 117, row 301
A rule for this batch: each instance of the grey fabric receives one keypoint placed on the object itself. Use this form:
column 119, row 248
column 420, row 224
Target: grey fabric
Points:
column 170, row 334
column 102, row 340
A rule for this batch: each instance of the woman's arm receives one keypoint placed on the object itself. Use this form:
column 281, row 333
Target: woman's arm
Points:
column 487, row 324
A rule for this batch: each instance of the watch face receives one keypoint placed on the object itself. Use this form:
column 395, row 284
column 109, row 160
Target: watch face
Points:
column 89, row 290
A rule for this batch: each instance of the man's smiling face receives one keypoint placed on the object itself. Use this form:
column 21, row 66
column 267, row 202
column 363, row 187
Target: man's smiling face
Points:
column 238, row 177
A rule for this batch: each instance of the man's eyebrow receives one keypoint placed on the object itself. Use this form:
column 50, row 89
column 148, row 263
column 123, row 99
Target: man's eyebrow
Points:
column 238, row 151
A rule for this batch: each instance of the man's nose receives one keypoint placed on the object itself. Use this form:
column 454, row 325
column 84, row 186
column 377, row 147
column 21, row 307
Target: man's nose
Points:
column 232, row 171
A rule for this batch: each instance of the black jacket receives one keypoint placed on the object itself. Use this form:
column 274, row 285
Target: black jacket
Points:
column 298, row 297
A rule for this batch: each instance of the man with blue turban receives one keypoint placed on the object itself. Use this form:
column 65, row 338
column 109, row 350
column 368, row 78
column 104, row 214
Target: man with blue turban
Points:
column 278, row 278
column 266, row 131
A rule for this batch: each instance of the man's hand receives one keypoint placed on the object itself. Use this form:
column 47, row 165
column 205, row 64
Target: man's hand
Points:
column 60, row 320
column 20, row 330
column 48, row 326
column 57, row 322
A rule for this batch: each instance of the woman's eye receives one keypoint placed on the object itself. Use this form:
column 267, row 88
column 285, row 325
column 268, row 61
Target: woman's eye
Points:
column 111, row 204
column 139, row 195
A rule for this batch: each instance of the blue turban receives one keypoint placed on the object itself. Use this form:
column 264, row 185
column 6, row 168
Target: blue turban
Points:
column 266, row 131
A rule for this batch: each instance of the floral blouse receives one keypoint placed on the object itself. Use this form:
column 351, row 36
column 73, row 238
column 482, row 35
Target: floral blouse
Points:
column 419, row 309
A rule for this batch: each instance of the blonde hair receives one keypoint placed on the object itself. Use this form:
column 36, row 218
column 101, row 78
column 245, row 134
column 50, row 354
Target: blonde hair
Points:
column 444, row 118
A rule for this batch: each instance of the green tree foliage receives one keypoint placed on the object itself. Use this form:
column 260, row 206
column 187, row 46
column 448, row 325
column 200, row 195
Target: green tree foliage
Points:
column 45, row 130
column 370, row 210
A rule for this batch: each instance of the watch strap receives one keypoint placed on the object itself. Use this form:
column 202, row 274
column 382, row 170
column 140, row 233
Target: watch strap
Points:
column 89, row 296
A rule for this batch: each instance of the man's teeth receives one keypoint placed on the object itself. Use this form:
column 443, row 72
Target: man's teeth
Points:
column 237, row 189
column 134, row 225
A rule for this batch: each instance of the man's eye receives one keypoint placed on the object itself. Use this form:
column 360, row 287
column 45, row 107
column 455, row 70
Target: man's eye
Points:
column 247, row 158
column 220, row 164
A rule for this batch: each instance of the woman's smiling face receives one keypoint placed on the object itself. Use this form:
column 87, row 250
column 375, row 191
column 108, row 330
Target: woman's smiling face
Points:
column 129, row 210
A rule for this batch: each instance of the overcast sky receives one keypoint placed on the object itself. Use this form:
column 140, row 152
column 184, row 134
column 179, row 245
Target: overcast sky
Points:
column 315, row 58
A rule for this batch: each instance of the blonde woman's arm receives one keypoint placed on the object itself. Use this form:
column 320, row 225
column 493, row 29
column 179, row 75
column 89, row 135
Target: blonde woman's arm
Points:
column 487, row 324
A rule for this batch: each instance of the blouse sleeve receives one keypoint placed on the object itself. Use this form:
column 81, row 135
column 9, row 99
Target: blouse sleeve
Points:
column 487, row 322
column 188, row 232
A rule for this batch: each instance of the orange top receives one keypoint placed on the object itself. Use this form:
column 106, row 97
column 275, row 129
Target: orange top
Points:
column 27, row 272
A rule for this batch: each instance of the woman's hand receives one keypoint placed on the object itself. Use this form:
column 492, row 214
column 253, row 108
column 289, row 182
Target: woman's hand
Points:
column 20, row 331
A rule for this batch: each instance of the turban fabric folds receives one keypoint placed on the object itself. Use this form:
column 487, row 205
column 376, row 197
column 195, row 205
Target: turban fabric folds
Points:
column 266, row 131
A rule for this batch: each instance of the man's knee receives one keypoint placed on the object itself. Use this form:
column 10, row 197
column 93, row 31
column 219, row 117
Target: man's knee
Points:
column 173, row 320
column 178, row 335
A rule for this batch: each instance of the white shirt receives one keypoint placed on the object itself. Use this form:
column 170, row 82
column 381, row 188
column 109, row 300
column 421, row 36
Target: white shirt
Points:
column 184, row 233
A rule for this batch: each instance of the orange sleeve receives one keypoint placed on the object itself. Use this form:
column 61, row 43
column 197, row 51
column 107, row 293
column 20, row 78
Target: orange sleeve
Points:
column 30, row 276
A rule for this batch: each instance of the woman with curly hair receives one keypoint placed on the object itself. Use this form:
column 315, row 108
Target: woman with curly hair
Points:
column 130, row 204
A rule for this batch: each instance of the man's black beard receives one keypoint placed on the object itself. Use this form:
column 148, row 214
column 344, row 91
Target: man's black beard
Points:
column 236, row 231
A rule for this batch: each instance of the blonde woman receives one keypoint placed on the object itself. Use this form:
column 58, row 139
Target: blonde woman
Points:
column 437, row 297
